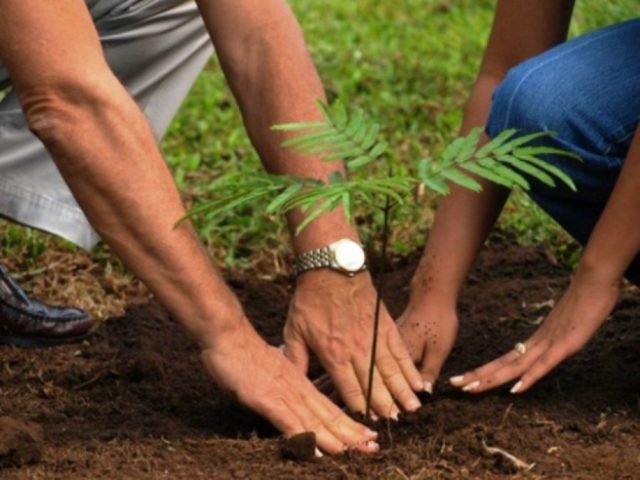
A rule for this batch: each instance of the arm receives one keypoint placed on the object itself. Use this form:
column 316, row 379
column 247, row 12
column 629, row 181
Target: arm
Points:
column 263, row 54
column 104, row 148
column 463, row 219
column 590, row 298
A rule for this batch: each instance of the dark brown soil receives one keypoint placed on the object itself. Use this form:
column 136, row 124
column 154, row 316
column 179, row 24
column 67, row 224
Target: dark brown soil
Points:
column 132, row 402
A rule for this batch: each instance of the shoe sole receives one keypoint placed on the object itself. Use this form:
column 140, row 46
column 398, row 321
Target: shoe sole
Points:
column 26, row 341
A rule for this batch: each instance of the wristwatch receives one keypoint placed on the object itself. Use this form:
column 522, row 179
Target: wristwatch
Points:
column 346, row 256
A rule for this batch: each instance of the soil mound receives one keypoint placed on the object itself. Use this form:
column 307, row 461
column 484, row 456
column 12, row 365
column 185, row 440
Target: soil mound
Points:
column 133, row 402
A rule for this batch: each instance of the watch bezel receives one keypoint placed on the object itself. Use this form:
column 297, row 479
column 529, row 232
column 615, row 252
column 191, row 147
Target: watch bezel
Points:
column 335, row 255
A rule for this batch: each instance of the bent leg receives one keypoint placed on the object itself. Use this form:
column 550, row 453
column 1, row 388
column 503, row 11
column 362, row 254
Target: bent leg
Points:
column 587, row 91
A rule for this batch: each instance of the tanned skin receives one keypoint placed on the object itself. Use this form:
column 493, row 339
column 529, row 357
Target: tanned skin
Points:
column 104, row 148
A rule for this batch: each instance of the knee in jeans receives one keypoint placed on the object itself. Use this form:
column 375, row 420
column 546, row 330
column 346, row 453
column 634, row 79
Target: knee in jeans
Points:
column 532, row 99
column 529, row 100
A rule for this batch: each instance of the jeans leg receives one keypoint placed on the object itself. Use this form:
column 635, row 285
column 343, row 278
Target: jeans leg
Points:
column 587, row 91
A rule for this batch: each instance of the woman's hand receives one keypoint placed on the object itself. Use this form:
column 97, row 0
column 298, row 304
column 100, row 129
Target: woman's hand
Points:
column 584, row 306
column 429, row 333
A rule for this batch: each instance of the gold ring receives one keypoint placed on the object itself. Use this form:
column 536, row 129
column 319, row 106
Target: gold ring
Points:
column 521, row 348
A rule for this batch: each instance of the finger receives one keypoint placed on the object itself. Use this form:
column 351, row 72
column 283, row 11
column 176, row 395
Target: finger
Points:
column 487, row 369
column 382, row 402
column 393, row 377
column 544, row 364
column 432, row 363
column 402, row 357
column 353, row 434
column 348, row 386
column 509, row 371
column 295, row 349
column 280, row 416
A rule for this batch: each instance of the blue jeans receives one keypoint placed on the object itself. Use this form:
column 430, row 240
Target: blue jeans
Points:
column 587, row 90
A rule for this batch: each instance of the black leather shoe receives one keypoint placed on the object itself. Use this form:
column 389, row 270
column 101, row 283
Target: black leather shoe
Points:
column 27, row 322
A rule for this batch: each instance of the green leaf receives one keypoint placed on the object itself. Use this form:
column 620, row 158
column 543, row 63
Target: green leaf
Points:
column 536, row 151
column 370, row 137
column 451, row 152
column 505, row 172
column 379, row 149
column 488, row 174
column 551, row 169
column 337, row 115
column 498, row 140
column 530, row 169
column 295, row 127
column 461, row 179
column 518, row 141
column 310, row 139
column 283, row 198
column 360, row 161
column 347, row 205
column 355, row 123
column 326, row 206
column 468, row 145
column 436, row 184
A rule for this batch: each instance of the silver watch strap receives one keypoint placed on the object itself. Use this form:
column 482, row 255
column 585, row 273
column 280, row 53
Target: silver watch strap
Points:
column 319, row 258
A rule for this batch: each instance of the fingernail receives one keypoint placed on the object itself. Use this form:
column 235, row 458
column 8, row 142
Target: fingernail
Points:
column 370, row 433
column 413, row 404
column 374, row 417
column 516, row 388
column 428, row 387
column 418, row 386
column 395, row 416
column 471, row 386
column 372, row 446
column 319, row 454
column 457, row 380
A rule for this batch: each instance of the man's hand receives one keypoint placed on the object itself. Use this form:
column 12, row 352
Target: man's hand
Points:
column 579, row 313
column 332, row 315
column 262, row 378
column 429, row 333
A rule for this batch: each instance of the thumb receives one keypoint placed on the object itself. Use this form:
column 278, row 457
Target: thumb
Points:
column 295, row 349
column 432, row 362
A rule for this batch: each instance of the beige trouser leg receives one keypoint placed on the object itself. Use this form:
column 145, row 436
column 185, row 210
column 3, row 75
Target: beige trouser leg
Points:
column 156, row 48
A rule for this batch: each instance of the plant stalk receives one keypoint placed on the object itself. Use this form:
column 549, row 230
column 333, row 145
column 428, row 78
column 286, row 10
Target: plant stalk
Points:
column 376, row 315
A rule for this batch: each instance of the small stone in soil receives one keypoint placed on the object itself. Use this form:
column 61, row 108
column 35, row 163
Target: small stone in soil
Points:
column 299, row 447
column 20, row 442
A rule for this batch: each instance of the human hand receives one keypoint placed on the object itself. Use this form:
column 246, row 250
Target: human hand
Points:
column 571, row 323
column 429, row 331
column 260, row 377
column 332, row 315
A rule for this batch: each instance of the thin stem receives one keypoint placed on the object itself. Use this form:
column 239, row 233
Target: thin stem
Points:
column 376, row 316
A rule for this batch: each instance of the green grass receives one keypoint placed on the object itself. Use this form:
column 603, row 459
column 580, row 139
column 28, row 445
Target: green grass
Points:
column 408, row 63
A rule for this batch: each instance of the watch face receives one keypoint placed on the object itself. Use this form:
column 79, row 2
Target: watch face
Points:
column 349, row 255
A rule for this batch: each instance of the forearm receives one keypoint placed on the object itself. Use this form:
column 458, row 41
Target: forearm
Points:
column 107, row 154
column 521, row 29
column 274, row 81
column 615, row 240
column 462, row 221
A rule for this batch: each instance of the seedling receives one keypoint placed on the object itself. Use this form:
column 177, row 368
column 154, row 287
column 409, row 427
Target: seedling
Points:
column 508, row 160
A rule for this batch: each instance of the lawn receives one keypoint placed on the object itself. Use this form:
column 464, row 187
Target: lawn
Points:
column 410, row 64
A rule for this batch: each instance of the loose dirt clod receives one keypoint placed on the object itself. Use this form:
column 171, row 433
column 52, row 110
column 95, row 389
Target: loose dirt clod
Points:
column 299, row 447
column 20, row 442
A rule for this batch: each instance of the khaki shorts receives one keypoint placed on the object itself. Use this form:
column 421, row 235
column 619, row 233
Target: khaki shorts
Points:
column 157, row 49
